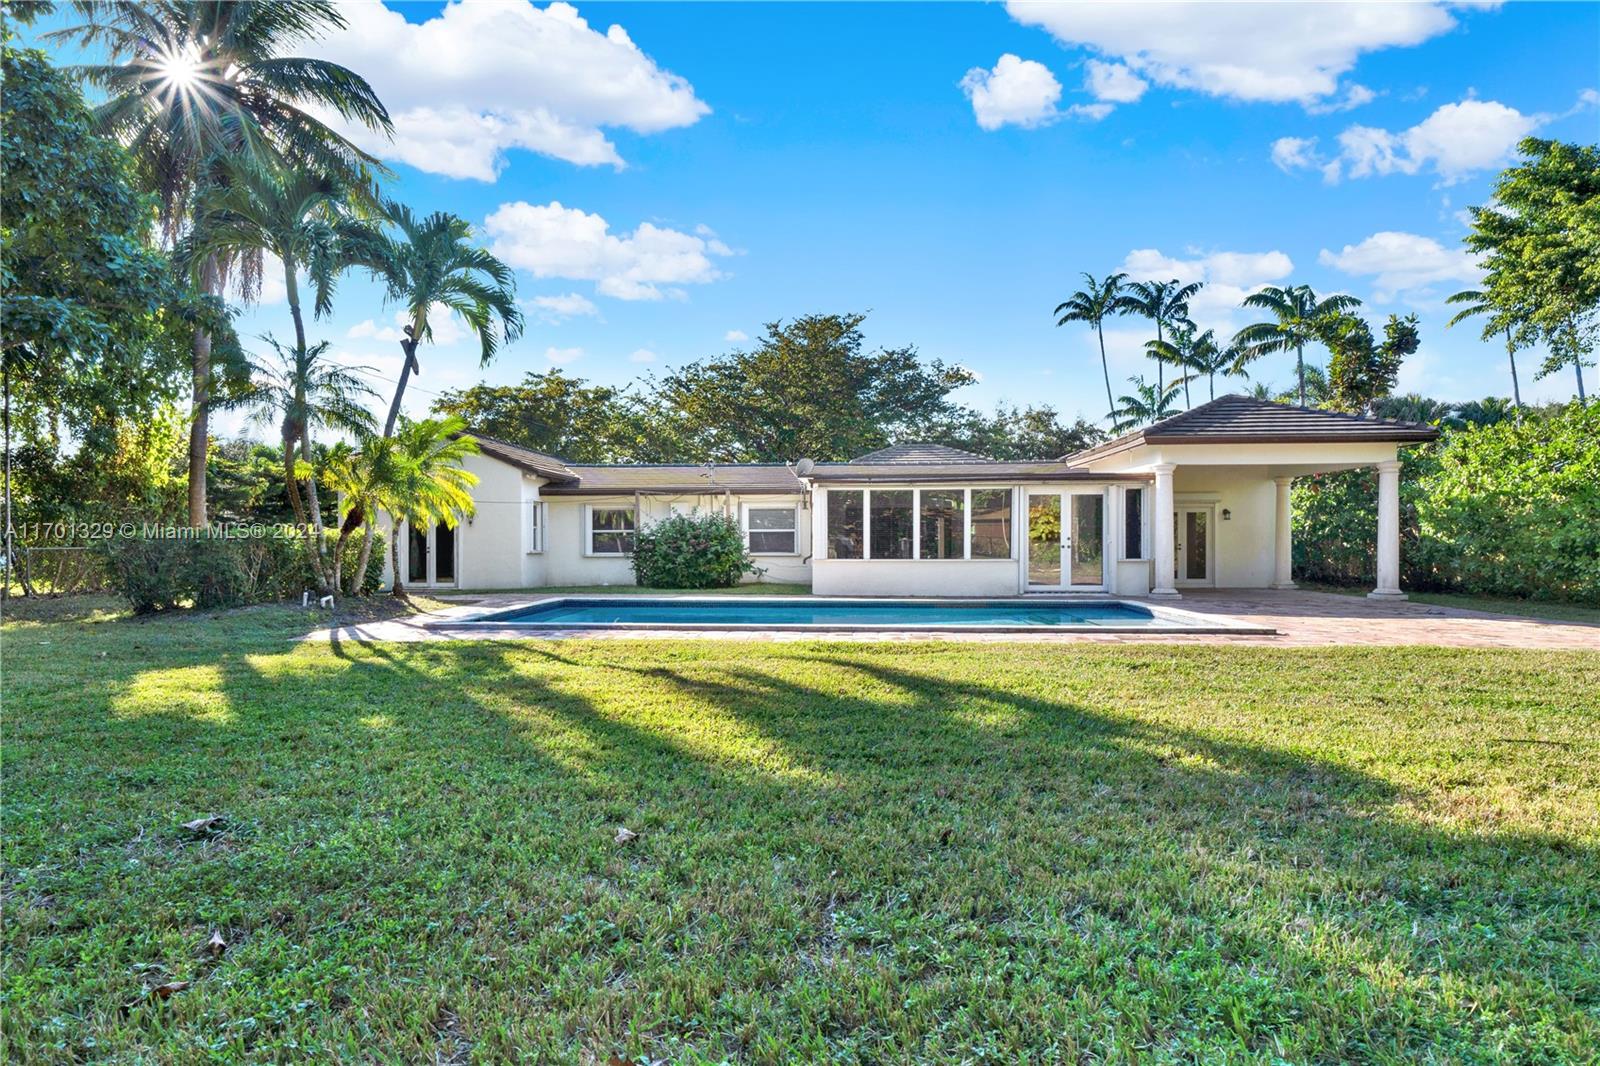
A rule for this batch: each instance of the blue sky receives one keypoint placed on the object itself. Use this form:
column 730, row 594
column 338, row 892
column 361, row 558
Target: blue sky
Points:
column 951, row 168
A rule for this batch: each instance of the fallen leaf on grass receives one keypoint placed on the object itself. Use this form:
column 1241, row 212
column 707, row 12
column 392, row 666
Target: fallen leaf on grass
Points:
column 216, row 945
column 211, row 823
column 624, row 834
column 168, row 990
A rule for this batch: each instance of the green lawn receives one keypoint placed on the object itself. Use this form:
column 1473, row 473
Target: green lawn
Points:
column 875, row 852
column 1557, row 612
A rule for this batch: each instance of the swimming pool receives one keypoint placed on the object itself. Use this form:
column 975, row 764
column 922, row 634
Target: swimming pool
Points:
column 803, row 613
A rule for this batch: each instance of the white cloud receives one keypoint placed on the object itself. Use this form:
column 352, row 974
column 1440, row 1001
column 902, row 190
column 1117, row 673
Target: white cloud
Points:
column 1228, row 276
column 1403, row 263
column 562, row 356
column 481, row 78
column 1354, row 96
column 735, row 336
column 445, row 324
column 1288, row 52
column 553, row 241
column 1017, row 92
column 1114, row 82
column 557, row 309
column 642, row 355
column 1456, row 140
column 1292, row 153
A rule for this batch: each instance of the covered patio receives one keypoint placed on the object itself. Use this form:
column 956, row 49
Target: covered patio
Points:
column 1222, row 481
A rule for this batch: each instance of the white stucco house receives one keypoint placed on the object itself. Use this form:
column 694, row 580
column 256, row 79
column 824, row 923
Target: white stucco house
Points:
column 1198, row 500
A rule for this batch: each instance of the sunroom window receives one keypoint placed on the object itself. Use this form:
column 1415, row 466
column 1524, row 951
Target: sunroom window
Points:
column 846, row 529
column 891, row 525
column 943, row 515
column 991, row 523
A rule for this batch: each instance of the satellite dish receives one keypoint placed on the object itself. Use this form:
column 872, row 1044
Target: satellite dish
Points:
column 804, row 467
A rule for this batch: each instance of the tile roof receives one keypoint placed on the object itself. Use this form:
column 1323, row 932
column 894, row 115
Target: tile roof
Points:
column 920, row 453
column 1247, row 420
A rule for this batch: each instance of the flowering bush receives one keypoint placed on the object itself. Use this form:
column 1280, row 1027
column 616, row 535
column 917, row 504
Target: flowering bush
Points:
column 692, row 551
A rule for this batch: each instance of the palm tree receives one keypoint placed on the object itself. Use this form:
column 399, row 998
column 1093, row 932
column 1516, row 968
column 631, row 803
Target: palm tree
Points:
column 1477, row 303
column 306, row 393
column 1177, row 351
column 1093, row 304
column 1165, row 303
column 1146, row 404
column 190, row 82
column 1298, row 319
column 431, row 264
column 1201, row 356
column 416, row 476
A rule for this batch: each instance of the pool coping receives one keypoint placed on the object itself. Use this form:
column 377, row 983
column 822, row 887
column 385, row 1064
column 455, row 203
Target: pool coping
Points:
column 490, row 623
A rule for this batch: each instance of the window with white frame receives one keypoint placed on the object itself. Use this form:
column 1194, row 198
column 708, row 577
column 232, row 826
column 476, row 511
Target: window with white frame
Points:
column 608, row 530
column 535, row 526
column 919, row 523
column 771, row 530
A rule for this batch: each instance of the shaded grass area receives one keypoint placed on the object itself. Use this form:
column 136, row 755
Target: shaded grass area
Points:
column 1551, row 611
column 848, row 852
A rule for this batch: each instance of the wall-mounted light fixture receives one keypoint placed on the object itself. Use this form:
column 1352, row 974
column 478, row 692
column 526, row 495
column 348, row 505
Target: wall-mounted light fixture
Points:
column 1227, row 515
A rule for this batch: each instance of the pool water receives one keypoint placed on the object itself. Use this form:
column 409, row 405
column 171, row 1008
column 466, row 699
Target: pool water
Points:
column 832, row 614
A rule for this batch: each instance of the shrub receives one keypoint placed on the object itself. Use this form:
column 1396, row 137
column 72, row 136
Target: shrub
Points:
column 212, row 570
column 148, row 573
column 693, row 551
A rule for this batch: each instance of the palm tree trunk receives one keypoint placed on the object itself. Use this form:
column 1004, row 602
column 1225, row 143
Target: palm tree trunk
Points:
column 398, row 589
column 291, row 485
column 1105, row 368
column 408, row 346
column 1577, row 368
column 1211, row 380
column 359, row 578
column 1300, row 370
column 314, row 551
column 200, row 405
column 1158, row 362
column 1516, row 388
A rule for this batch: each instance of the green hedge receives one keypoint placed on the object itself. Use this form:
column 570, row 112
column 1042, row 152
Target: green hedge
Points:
column 158, row 574
column 1500, row 510
column 692, row 551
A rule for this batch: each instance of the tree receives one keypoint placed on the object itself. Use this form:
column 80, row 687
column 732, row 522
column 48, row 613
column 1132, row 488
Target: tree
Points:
column 1166, row 303
column 1092, row 305
column 306, row 392
column 1298, row 319
column 807, row 389
column 552, row 413
column 1207, row 357
column 1515, row 327
column 1539, row 244
column 190, row 83
column 1146, row 404
column 431, row 266
column 1015, row 433
column 1360, row 371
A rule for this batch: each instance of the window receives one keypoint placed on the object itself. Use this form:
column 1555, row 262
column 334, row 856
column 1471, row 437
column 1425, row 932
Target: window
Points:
column 991, row 523
column 535, row 527
column 845, row 526
column 1133, row 523
column 943, row 514
column 891, row 524
column 770, row 530
column 610, row 530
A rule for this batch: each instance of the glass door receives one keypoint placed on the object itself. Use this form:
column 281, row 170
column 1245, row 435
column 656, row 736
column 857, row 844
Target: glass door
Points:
column 1192, row 545
column 430, row 555
column 1044, row 540
column 1086, row 547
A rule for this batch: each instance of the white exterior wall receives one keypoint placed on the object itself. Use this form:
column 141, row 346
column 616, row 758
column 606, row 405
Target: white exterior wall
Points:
column 1243, row 544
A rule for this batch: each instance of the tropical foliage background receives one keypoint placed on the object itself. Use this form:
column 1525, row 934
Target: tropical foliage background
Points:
column 136, row 227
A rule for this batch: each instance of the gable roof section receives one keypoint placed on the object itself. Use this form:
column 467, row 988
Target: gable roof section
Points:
column 1247, row 420
column 920, row 453
column 546, row 466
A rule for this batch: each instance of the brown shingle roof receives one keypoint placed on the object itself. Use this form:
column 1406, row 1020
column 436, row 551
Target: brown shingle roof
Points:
column 986, row 472
column 1247, row 420
column 920, row 453
column 751, row 479
column 546, row 466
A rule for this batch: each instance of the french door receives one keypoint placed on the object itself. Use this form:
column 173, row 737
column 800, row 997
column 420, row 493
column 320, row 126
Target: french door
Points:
column 1193, row 558
column 430, row 555
column 1067, row 540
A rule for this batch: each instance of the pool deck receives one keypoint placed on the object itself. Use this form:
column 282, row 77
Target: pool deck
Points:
column 1282, row 618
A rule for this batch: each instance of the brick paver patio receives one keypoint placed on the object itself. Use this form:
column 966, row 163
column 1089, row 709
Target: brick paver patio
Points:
column 1301, row 619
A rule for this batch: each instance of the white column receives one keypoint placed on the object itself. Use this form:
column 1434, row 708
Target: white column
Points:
column 1388, row 533
column 1161, row 518
column 1283, row 573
